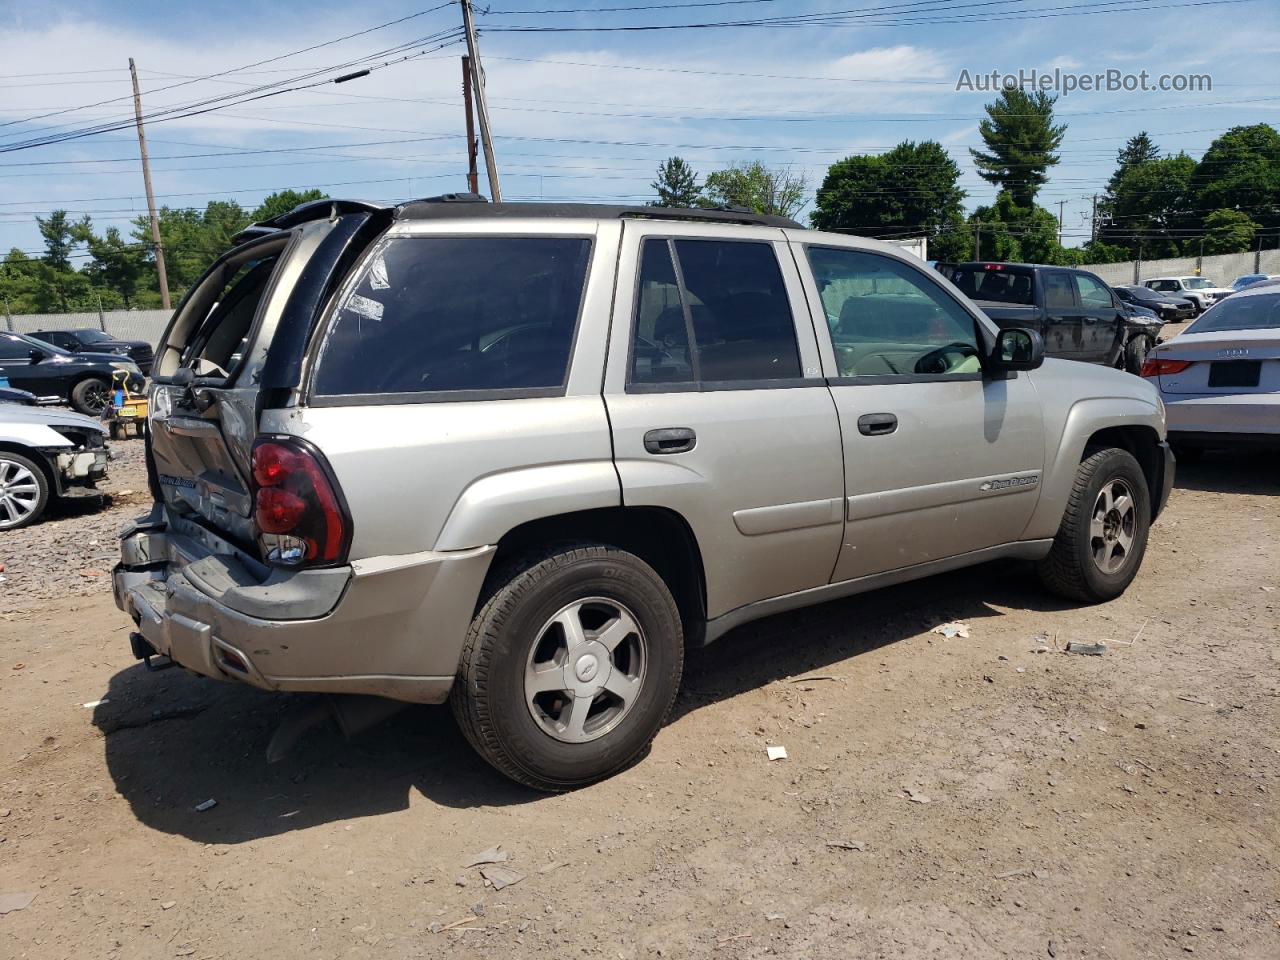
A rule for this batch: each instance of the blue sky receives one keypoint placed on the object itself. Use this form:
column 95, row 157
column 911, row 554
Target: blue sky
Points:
column 583, row 115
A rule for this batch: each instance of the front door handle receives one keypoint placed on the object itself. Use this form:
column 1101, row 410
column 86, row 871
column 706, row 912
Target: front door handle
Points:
column 877, row 424
column 670, row 440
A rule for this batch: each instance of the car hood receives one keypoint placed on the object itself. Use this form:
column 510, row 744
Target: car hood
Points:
column 15, row 413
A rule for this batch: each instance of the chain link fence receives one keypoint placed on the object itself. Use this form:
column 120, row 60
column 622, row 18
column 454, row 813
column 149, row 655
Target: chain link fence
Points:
column 123, row 324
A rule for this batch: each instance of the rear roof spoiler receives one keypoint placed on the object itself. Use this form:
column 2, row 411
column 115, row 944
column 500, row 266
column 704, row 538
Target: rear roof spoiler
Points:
column 305, row 213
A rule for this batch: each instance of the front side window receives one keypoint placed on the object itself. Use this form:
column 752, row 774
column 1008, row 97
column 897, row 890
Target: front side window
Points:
column 1164, row 285
column 1093, row 293
column 887, row 319
column 431, row 314
column 723, row 318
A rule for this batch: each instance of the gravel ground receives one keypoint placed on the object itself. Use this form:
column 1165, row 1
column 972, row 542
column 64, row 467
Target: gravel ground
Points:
column 71, row 552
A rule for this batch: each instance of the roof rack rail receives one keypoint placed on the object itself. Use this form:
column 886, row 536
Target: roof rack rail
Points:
column 463, row 205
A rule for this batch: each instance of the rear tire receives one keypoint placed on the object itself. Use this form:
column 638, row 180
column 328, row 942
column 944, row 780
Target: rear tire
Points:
column 559, row 625
column 1103, row 535
column 1135, row 353
column 91, row 396
column 24, row 491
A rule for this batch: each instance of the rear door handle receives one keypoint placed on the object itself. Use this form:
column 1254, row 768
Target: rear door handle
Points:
column 877, row 424
column 670, row 440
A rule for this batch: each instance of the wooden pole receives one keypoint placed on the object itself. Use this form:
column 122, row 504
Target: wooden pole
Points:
column 151, row 197
column 473, row 176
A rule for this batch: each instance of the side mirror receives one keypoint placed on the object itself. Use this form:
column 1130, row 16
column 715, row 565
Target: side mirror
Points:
column 36, row 355
column 1017, row 349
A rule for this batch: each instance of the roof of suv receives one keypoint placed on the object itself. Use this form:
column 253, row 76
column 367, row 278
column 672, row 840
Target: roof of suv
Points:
column 459, row 206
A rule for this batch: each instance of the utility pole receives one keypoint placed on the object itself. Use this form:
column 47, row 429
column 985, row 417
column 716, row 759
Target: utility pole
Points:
column 482, row 106
column 473, row 178
column 977, row 239
column 151, row 197
column 1061, row 204
column 1093, row 221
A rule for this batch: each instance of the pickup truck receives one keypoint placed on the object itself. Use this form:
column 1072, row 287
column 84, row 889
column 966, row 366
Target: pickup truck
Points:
column 1078, row 316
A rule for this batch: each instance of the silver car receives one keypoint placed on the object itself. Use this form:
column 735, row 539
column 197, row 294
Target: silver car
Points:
column 45, row 453
column 1220, row 378
column 519, row 457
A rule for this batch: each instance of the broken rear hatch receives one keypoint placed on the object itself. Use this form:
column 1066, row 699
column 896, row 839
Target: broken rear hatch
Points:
column 235, row 346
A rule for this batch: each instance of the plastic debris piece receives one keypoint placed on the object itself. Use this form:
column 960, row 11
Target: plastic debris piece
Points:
column 206, row 805
column 916, row 797
column 95, row 703
column 953, row 629
column 776, row 751
column 1087, row 649
column 500, row 876
column 168, row 904
column 554, row 865
column 494, row 854
column 12, row 902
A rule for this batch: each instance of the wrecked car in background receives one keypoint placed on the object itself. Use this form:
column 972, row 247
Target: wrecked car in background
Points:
column 46, row 453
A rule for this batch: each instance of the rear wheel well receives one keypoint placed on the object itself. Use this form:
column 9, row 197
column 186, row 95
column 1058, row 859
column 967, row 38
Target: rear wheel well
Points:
column 1141, row 441
column 657, row 536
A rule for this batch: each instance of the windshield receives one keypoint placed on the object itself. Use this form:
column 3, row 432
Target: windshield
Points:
column 1244, row 312
column 1198, row 283
column 91, row 336
column 993, row 282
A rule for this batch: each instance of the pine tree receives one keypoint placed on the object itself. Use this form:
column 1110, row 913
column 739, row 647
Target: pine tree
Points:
column 677, row 185
column 1021, row 138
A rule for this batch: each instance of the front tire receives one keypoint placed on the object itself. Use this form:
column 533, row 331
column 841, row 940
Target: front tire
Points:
column 24, row 491
column 1103, row 535
column 1135, row 353
column 91, row 396
column 571, row 667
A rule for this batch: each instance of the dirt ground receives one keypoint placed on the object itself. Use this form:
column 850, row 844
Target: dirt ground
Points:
column 1101, row 807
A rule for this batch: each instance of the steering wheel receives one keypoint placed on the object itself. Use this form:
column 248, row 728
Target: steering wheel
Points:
column 935, row 361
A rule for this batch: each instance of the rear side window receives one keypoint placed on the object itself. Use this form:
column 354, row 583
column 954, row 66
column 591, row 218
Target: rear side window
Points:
column 450, row 314
column 712, row 311
column 1058, row 291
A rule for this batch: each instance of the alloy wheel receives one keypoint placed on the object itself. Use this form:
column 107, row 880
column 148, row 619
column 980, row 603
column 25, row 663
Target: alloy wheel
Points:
column 585, row 670
column 19, row 493
column 1112, row 526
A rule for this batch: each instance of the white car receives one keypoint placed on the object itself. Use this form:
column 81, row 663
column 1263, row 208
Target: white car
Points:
column 46, row 452
column 1220, row 378
column 1201, row 291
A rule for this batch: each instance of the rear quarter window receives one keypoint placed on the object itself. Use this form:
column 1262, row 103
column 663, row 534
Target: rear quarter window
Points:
column 451, row 315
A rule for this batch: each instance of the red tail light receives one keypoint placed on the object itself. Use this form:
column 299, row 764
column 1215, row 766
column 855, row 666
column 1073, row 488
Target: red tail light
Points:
column 1155, row 366
column 296, row 504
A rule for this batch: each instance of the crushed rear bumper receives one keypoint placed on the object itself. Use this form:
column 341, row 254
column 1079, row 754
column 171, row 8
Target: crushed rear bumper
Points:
column 387, row 626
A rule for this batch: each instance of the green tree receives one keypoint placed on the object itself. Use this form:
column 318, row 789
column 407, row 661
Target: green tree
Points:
column 1229, row 231
column 1241, row 171
column 677, row 185
column 58, row 233
column 1148, row 212
column 1137, row 150
column 17, row 283
column 116, row 265
column 284, row 201
column 1011, row 232
column 1021, row 140
column 912, row 190
column 757, row 187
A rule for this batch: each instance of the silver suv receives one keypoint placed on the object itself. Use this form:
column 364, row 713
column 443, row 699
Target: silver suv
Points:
column 521, row 457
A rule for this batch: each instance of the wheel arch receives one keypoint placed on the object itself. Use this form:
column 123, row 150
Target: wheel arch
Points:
column 1123, row 422
column 659, row 536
